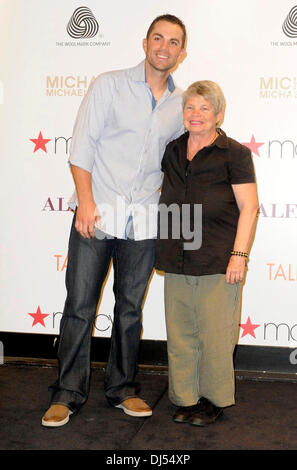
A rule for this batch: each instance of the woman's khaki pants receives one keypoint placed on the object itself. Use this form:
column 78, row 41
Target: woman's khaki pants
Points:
column 202, row 319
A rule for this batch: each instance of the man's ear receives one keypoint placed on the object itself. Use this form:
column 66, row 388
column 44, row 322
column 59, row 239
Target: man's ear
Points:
column 144, row 44
column 182, row 54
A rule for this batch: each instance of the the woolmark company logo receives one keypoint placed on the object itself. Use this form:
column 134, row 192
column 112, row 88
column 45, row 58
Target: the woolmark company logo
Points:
column 289, row 29
column 82, row 24
column 290, row 23
column 83, row 29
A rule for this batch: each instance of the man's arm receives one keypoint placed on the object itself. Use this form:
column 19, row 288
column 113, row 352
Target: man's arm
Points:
column 88, row 128
column 87, row 213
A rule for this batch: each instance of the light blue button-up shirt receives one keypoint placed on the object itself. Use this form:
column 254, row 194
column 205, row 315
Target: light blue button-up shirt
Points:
column 120, row 137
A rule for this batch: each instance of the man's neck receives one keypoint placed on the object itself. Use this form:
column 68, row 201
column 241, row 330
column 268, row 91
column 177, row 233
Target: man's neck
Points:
column 157, row 80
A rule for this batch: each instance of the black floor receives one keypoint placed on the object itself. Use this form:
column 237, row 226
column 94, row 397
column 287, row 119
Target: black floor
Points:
column 264, row 417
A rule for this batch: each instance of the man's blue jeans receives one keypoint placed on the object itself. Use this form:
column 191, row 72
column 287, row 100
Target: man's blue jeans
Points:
column 88, row 264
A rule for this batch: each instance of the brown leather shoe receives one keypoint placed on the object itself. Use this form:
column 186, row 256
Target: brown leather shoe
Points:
column 135, row 407
column 206, row 413
column 184, row 413
column 56, row 415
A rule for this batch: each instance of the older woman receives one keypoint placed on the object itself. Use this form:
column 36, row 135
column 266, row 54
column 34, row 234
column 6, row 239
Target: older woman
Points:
column 203, row 280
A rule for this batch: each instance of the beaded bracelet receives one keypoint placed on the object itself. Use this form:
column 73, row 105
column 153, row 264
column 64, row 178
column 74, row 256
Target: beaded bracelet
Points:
column 239, row 253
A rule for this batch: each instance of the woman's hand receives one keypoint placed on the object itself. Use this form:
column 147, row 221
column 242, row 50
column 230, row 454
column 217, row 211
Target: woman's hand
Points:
column 235, row 269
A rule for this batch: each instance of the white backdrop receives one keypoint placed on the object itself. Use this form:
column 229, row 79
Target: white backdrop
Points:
column 44, row 74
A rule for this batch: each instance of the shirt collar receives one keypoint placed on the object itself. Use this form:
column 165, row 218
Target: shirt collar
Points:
column 138, row 75
column 222, row 140
column 171, row 84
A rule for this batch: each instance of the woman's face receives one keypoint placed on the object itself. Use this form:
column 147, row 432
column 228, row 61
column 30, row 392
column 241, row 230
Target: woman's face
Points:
column 199, row 116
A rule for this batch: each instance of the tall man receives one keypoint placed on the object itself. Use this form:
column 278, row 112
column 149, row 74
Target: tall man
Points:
column 122, row 128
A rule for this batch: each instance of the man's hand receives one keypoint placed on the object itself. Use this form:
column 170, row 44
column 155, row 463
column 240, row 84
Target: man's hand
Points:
column 235, row 269
column 87, row 215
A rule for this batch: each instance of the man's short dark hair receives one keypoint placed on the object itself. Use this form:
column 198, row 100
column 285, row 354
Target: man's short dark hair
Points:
column 171, row 19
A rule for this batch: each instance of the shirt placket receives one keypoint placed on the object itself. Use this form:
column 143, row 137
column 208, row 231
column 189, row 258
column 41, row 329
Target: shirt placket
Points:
column 140, row 230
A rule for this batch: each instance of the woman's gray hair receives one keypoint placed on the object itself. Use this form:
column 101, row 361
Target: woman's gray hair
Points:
column 210, row 91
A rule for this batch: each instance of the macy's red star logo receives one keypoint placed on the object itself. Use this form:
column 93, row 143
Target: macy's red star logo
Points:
column 253, row 145
column 248, row 328
column 38, row 317
column 40, row 143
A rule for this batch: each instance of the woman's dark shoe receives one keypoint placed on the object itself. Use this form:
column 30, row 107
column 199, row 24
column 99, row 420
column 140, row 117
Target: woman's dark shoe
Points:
column 184, row 413
column 206, row 413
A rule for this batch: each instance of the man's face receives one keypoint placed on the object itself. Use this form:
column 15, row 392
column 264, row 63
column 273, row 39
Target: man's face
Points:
column 163, row 48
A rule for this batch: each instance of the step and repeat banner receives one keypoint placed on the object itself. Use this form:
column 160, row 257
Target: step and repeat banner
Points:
column 49, row 57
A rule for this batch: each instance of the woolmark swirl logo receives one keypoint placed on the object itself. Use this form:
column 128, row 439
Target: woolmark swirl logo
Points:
column 82, row 24
column 290, row 23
